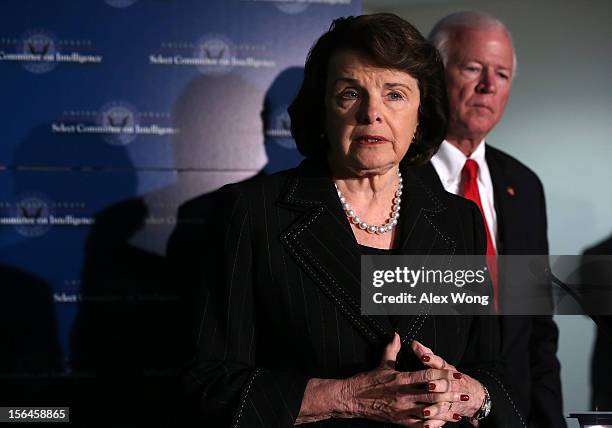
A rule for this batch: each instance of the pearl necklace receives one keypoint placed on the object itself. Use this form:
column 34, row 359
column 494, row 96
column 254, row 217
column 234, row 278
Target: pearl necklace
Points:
column 390, row 223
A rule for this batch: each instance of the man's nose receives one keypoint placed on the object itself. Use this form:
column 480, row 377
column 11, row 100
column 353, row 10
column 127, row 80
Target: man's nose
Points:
column 369, row 111
column 487, row 84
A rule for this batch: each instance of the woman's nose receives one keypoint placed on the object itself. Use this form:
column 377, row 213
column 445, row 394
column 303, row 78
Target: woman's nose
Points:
column 369, row 111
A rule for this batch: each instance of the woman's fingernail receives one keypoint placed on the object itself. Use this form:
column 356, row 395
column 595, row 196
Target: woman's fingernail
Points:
column 465, row 397
column 431, row 386
column 426, row 426
column 457, row 375
column 425, row 358
column 456, row 416
column 426, row 413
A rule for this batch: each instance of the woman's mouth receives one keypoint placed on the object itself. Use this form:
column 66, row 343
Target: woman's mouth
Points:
column 371, row 139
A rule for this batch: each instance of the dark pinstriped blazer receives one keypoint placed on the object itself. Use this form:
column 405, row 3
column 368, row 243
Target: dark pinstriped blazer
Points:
column 277, row 270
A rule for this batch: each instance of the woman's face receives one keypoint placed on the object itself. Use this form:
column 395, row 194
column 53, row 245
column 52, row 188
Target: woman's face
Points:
column 371, row 114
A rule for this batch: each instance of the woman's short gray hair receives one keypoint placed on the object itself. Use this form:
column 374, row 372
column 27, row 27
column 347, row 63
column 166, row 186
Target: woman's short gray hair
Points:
column 441, row 32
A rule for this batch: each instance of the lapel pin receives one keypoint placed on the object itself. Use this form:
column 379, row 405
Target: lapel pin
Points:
column 510, row 190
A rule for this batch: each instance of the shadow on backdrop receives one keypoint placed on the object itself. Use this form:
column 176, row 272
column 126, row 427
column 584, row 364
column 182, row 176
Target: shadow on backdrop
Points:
column 132, row 329
column 183, row 245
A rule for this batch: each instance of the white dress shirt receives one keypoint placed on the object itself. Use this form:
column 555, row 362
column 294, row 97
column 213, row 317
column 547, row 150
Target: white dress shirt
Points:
column 448, row 163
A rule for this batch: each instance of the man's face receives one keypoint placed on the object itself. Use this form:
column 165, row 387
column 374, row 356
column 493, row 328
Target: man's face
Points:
column 478, row 78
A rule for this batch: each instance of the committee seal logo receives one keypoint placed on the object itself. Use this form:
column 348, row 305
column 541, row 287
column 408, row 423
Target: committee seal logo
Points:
column 31, row 213
column 216, row 52
column 119, row 119
column 40, row 46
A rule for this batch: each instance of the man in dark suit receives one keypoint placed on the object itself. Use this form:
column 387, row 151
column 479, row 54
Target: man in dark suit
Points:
column 480, row 64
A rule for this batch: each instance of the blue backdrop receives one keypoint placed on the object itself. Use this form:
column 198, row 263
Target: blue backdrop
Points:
column 114, row 112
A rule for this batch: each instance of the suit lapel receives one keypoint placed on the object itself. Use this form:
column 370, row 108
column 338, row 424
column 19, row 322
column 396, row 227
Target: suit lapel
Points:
column 419, row 230
column 503, row 201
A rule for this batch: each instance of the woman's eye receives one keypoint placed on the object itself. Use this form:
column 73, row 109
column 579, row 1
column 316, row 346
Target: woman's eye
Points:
column 395, row 96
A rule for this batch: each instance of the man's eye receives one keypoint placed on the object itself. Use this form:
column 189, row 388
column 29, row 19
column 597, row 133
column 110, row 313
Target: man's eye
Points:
column 504, row 76
column 472, row 69
column 349, row 95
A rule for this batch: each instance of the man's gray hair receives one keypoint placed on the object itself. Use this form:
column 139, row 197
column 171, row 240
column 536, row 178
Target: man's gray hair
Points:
column 441, row 32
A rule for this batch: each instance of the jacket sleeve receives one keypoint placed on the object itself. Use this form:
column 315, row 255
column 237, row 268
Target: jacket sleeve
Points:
column 482, row 360
column 223, row 381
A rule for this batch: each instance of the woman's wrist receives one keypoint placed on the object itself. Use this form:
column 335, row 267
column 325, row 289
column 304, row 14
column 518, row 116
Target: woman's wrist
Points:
column 479, row 398
column 476, row 392
column 324, row 399
column 485, row 406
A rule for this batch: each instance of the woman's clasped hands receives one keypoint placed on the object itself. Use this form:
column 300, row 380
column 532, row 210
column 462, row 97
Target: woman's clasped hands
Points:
column 425, row 398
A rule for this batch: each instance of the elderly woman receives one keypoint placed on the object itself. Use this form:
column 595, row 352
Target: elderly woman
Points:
column 281, row 339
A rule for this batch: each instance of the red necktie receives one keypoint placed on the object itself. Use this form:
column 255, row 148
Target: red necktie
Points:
column 470, row 191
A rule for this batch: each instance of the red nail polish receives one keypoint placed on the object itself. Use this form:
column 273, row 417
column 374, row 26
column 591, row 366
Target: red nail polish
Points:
column 431, row 386
column 426, row 426
column 425, row 358
column 457, row 375
column 456, row 416
column 426, row 413
column 465, row 397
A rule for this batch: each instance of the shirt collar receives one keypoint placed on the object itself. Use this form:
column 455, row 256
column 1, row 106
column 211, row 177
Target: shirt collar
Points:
column 449, row 160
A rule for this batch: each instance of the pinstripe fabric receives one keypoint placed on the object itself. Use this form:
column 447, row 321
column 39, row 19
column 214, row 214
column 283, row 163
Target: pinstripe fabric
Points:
column 277, row 273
